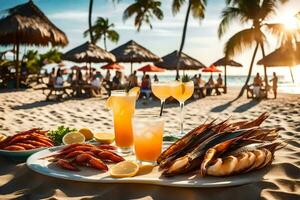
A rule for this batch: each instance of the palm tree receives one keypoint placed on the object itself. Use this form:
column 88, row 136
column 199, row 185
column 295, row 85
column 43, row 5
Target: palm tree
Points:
column 144, row 11
column 90, row 19
column 255, row 12
column 103, row 28
column 285, row 35
column 197, row 7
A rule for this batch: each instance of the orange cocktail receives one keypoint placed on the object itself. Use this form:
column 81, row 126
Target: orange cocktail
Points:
column 182, row 91
column 162, row 91
column 123, row 106
column 148, row 134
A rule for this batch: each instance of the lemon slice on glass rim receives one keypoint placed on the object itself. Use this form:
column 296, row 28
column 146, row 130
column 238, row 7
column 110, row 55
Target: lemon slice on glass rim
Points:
column 135, row 91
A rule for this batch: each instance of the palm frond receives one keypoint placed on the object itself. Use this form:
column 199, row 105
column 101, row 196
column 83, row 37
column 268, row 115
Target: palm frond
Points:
column 228, row 15
column 177, row 4
column 198, row 8
column 242, row 40
column 113, row 36
column 130, row 11
column 268, row 8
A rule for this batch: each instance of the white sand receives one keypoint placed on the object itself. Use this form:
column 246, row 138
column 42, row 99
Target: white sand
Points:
column 27, row 109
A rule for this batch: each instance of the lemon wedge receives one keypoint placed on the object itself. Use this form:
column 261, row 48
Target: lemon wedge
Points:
column 135, row 91
column 109, row 103
column 124, row 169
column 88, row 134
column 73, row 137
column 106, row 138
column 2, row 137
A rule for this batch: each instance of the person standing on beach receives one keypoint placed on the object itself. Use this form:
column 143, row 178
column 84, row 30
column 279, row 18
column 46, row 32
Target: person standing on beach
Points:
column 51, row 79
column 274, row 80
column 257, row 84
column 132, row 80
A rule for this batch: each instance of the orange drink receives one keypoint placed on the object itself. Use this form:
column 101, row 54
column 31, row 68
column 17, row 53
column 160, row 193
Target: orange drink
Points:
column 161, row 90
column 122, row 106
column 182, row 91
column 148, row 134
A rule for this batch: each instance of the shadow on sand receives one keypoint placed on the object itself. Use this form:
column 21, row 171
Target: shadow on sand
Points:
column 223, row 107
column 241, row 108
column 247, row 106
column 36, row 104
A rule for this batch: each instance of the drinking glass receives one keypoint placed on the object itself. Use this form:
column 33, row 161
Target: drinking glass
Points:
column 122, row 105
column 162, row 91
column 148, row 136
column 182, row 91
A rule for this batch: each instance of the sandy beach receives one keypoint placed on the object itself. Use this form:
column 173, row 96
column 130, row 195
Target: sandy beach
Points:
column 21, row 110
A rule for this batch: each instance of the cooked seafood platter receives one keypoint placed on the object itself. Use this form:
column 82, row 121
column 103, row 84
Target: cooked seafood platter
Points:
column 236, row 151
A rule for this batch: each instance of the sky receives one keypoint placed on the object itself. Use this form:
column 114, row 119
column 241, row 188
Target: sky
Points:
column 202, row 42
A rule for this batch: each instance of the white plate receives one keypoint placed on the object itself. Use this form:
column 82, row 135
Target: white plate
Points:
column 22, row 153
column 43, row 166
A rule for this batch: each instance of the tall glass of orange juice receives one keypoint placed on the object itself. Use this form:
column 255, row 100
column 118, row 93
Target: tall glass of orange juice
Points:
column 122, row 105
column 148, row 135
column 182, row 91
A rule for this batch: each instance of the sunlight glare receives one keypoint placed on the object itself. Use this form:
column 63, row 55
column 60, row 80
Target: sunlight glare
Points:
column 290, row 22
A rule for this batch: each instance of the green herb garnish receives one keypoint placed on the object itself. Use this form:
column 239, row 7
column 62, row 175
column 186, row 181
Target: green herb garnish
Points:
column 185, row 78
column 170, row 138
column 57, row 135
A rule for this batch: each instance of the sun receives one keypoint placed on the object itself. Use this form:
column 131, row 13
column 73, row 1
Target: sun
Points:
column 290, row 22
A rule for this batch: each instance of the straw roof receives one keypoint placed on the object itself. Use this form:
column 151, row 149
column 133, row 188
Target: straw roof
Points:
column 27, row 24
column 186, row 62
column 134, row 52
column 283, row 56
column 88, row 52
column 227, row 62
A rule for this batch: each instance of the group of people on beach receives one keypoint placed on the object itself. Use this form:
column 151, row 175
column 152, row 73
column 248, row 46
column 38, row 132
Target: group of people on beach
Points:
column 259, row 86
column 95, row 80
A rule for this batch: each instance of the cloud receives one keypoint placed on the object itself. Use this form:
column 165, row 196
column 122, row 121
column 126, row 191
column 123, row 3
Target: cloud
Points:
column 69, row 15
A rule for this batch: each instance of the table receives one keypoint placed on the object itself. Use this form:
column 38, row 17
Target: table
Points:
column 16, row 180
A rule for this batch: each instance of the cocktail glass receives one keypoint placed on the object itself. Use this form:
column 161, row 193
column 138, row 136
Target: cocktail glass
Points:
column 182, row 91
column 162, row 91
column 148, row 136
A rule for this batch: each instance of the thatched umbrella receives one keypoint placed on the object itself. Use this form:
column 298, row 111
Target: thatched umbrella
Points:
column 131, row 52
column 26, row 24
column 185, row 63
column 226, row 62
column 88, row 53
column 288, row 56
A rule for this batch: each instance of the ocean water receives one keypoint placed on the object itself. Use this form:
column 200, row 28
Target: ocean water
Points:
column 284, row 85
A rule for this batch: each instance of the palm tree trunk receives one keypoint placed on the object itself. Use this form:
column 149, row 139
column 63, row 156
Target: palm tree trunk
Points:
column 183, row 38
column 225, row 79
column 90, row 21
column 265, row 69
column 17, row 65
column 250, row 71
column 104, row 38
